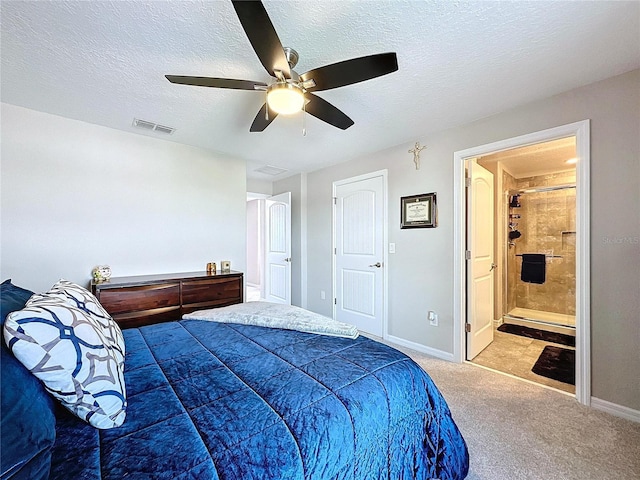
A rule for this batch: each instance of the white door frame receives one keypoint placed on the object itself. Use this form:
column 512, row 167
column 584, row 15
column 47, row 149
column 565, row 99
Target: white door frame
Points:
column 385, row 242
column 581, row 130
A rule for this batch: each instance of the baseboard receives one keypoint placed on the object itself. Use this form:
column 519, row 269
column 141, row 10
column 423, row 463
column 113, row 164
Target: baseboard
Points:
column 434, row 352
column 615, row 409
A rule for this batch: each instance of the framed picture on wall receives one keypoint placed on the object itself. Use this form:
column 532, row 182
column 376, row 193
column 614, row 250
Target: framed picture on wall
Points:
column 418, row 211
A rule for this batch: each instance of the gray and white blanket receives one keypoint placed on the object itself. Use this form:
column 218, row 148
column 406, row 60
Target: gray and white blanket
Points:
column 274, row 315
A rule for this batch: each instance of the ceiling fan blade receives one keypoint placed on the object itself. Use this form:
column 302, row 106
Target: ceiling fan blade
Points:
column 351, row 71
column 260, row 122
column 320, row 108
column 262, row 36
column 216, row 82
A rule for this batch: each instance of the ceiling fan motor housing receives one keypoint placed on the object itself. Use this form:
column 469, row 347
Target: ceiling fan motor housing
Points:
column 292, row 56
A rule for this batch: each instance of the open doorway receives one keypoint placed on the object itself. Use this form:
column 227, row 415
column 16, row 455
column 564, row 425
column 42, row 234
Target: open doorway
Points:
column 254, row 279
column 534, row 286
column 269, row 248
column 507, row 259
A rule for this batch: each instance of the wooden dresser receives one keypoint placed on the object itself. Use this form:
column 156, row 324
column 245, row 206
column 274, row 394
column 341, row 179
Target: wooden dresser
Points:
column 142, row 300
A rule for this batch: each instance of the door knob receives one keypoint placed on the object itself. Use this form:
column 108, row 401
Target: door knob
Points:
column 377, row 265
column 288, row 259
column 493, row 266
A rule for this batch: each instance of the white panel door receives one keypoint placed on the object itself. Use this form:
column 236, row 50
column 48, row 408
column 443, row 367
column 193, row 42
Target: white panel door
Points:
column 359, row 254
column 480, row 266
column 278, row 249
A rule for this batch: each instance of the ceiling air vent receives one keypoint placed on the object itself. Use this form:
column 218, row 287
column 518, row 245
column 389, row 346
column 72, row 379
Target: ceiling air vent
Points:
column 271, row 170
column 145, row 125
column 163, row 129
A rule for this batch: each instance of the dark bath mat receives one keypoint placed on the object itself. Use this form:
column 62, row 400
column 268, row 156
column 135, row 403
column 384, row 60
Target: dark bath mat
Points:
column 557, row 363
column 538, row 334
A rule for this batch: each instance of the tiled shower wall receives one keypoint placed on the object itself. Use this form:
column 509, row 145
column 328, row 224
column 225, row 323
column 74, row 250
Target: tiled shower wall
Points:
column 509, row 183
column 548, row 225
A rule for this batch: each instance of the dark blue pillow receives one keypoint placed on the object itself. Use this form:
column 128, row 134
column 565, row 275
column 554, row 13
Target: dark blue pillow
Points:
column 28, row 427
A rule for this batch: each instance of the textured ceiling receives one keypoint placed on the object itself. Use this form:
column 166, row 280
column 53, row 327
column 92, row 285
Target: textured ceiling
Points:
column 104, row 63
column 541, row 158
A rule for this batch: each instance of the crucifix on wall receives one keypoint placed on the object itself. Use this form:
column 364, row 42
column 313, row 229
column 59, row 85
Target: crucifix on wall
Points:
column 416, row 154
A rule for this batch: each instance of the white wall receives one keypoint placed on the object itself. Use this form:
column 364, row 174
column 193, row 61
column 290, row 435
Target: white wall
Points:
column 259, row 186
column 421, row 272
column 75, row 195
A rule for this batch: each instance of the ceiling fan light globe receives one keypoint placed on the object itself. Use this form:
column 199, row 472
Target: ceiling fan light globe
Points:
column 285, row 99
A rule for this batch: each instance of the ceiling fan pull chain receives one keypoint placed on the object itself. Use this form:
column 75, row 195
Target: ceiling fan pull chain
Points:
column 266, row 110
column 304, row 121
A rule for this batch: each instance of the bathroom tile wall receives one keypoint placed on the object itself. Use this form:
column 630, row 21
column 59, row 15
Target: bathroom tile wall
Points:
column 510, row 184
column 548, row 226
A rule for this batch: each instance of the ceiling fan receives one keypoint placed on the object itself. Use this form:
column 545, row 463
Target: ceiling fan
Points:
column 290, row 92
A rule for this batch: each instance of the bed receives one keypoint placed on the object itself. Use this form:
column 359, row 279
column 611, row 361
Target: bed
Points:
column 212, row 400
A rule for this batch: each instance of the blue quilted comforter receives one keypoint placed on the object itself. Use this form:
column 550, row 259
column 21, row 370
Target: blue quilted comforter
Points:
column 230, row 402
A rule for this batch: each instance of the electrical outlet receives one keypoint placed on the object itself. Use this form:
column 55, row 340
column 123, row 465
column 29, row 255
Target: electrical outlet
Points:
column 433, row 318
column 323, row 296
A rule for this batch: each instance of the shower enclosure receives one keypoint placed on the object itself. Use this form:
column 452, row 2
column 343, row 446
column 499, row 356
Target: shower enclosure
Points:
column 541, row 220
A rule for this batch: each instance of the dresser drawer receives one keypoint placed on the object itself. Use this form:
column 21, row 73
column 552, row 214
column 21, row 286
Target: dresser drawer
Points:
column 217, row 291
column 146, row 317
column 140, row 298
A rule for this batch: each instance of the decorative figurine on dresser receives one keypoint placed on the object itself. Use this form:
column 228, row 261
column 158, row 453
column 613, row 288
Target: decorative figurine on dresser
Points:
column 101, row 273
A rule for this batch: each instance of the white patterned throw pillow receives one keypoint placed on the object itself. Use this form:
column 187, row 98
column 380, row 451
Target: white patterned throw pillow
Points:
column 76, row 357
column 81, row 298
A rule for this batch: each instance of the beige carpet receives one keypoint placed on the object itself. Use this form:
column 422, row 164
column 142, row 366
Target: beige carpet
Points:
column 516, row 430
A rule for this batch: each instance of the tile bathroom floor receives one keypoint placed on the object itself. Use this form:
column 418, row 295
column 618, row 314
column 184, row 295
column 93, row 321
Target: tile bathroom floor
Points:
column 516, row 355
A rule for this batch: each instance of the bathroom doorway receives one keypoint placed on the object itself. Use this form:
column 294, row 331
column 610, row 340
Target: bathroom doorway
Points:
column 550, row 295
column 535, row 284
